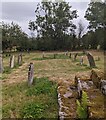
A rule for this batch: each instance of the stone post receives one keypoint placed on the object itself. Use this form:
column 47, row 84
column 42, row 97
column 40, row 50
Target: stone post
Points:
column 30, row 74
column 91, row 59
column 81, row 60
column 79, row 88
column 12, row 61
column 70, row 55
column 19, row 59
column 43, row 55
column 54, row 56
column 75, row 56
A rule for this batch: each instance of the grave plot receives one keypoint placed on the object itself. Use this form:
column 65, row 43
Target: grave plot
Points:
column 69, row 93
column 95, row 96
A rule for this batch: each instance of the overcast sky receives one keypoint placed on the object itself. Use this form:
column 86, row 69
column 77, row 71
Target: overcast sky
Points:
column 22, row 12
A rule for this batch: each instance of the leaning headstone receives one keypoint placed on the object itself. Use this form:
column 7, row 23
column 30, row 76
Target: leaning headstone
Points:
column 30, row 74
column 75, row 56
column 91, row 59
column 12, row 61
column 19, row 59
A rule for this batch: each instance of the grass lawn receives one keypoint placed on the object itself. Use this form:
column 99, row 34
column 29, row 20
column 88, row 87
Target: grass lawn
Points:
column 21, row 101
column 39, row 100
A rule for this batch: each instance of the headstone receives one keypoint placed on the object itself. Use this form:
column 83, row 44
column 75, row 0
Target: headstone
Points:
column 98, row 58
column 103, row 86
column 70, row 55
column 67, row 53
column 43, row 55
column 81, row 60
column 19, row 59
column 91, row 59
column 28, row 51
column 79, row 88
column 75, row 56
column 54, row 56
column 12, row 61
column 30, row 74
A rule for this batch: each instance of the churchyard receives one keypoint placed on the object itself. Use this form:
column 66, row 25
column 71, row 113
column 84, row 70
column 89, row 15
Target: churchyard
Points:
column 47, row 85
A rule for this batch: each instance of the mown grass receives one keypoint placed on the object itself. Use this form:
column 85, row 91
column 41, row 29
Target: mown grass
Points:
column 37, row 101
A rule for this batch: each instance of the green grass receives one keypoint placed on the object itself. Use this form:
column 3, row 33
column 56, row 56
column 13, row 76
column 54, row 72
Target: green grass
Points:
column 8, row 70
column 37, row 101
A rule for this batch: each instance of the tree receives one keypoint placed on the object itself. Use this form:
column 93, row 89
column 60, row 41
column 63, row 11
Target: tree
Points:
column 55, row 25
column 96, row 16
column 80, row 33
column 13, row 36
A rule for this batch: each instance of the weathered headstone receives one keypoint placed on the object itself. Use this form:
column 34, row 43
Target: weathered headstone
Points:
column 70, row 55
column 54, row 56
column 103, row 86
column 43, row 55
column 98, row 58
column 30, row 74
column 19, row 59
column 67, row 53
column 91, row 59
column 81, row 60
column 12, row 61
column 79, row 88
column 75, row 56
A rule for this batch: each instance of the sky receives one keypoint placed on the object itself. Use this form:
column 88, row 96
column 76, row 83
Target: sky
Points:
column 22, row 12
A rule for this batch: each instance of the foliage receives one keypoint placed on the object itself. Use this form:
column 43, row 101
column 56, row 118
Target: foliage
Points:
column 41, row 86
column 18, row 99
column 82, row 107
column 55, row 27
column 96, row 16
column 32, row 110
column 13, row 37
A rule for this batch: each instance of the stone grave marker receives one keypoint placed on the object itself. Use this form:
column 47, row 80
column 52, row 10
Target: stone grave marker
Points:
column 91, row 59
column 81, row 60
column 103, row 86
column 75, row 56
column 54, row 56
column 12, row 61
column 67, row 53
column 79, row 88
column 19, row 59
column 30, row 74
column 70, row 55
column 43, row 55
